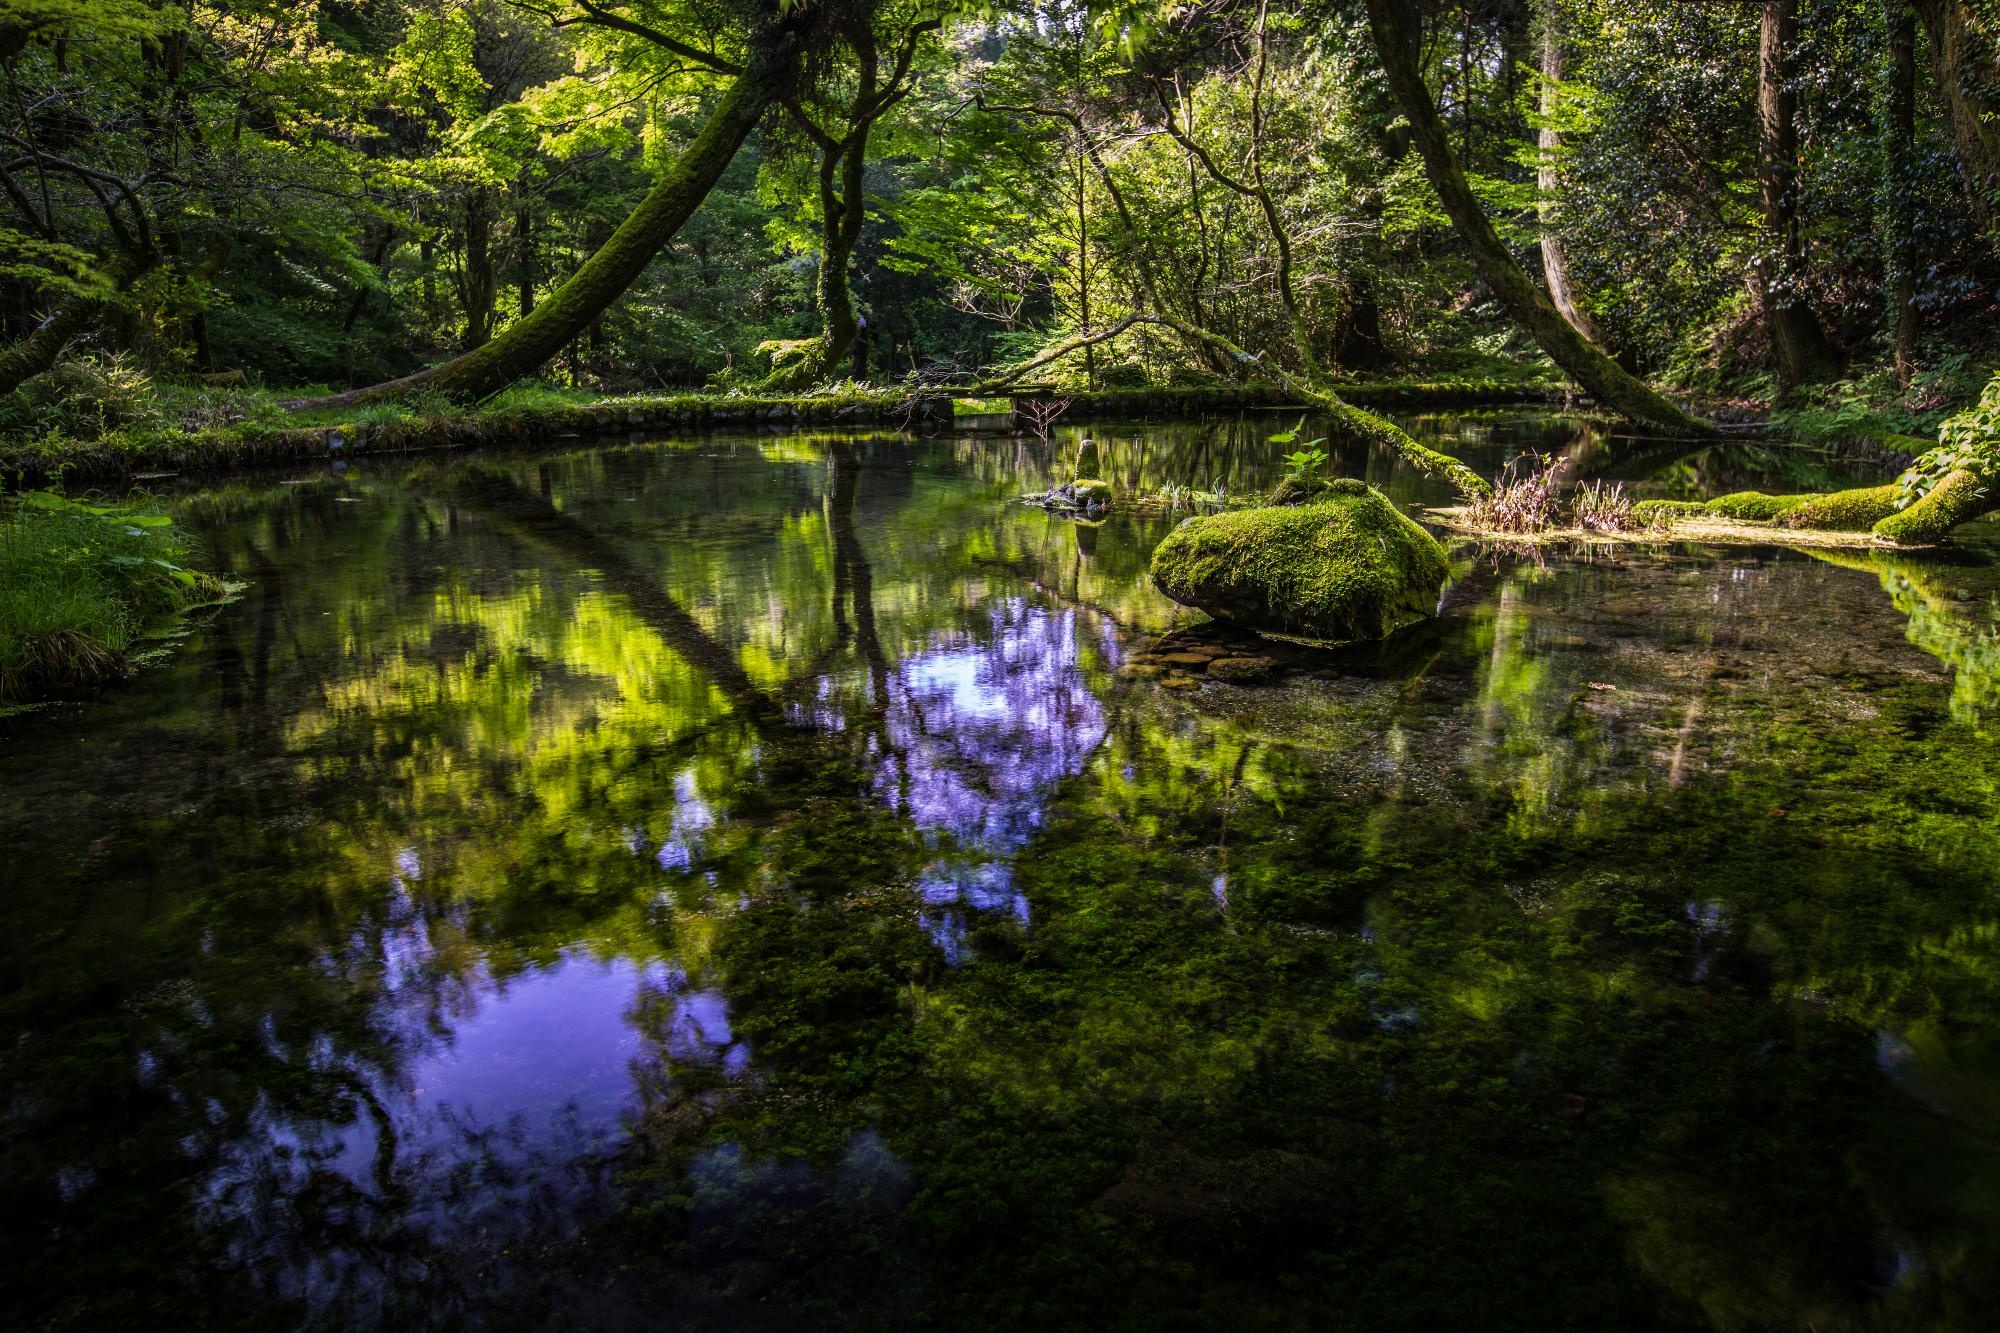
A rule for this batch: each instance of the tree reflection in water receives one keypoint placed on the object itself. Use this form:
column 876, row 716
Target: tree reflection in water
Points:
column 734, row 879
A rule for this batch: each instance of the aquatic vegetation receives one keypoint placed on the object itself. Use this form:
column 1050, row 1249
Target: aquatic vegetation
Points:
column 1526, row 499
column 1660, row 512
column 1600, row 506
column 82, row 585
column 1346, row 566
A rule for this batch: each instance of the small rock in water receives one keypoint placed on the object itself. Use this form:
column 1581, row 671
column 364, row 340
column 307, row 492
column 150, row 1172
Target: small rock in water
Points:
column 1240, row 669
column 1141, row 670
column 1180, row 682
column 1183, row 659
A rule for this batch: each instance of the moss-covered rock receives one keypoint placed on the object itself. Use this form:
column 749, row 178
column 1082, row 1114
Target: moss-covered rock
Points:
column 1755, row 506
column 1347, row 566
column 1088, row 491
column 1961, row 496
column 1299, row 490
column 1844, row 511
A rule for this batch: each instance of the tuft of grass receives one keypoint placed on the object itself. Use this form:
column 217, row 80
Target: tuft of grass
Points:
column 81, row 585
column 1604, row 507
column 1524, row 502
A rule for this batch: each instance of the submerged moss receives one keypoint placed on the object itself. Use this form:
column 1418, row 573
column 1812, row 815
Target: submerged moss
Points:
column 1755, row 506
column 1844, row 511
column 1345, row 567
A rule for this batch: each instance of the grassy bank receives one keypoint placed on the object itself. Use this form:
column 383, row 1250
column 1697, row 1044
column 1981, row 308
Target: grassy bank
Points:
column 103, row 429
column 84, row 589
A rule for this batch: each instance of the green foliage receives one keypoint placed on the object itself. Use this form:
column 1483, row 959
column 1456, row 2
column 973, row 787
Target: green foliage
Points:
column 83, row 397
column 1968, row 442
column 81, row 584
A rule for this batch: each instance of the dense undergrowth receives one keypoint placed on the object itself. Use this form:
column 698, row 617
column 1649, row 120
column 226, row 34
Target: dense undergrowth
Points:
column 84, row 588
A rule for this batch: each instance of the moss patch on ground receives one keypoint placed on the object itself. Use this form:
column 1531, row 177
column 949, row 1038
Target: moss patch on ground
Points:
column 1345, row 567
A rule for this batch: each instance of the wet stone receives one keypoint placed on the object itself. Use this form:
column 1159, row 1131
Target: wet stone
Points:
column 1240, row 668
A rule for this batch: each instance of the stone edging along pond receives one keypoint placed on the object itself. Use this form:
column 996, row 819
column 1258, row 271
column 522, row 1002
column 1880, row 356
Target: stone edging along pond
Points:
column 251, row 443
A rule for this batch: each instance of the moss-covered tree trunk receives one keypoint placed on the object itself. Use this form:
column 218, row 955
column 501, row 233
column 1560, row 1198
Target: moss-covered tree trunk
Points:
column 1393, row 28
column 1798, row 341
column 525, row 345
column 841, row 215
column 73, row 313
column 1348, row 421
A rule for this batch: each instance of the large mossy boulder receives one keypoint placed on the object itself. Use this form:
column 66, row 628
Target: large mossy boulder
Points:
column 1346, row 566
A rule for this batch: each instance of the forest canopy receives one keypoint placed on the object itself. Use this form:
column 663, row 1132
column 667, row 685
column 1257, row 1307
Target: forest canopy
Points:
column 1724, row 201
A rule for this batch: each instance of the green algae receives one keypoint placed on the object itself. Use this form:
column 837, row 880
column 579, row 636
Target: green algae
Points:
column 1343, row 567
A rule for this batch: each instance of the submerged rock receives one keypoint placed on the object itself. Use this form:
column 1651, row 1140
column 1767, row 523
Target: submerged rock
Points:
column 1347, row 566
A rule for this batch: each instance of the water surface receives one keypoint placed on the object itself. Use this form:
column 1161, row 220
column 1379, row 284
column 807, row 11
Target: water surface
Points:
column 778, row 881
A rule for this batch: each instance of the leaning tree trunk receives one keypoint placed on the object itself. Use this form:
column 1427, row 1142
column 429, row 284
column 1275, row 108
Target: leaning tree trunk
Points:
column 74, row 313
column 525, row 345
column 1548, row 183
column 1797, row 338
column 1965, row 54
column 1508, row 281
column 1349, row 422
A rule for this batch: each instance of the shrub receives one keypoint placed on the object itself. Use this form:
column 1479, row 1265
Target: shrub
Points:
column 82, row 397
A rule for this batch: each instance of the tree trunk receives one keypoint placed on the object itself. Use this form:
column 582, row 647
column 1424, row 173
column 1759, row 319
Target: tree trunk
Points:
column 1586, row 364
column 524, row 256
column 1901, row 116
column 72, row 314
column 1798, row 341
column 478, row 288
column 1548, row 185
column 1965, row 54
column 528, row 343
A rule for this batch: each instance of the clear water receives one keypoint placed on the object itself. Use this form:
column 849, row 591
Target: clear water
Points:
column 780, row 882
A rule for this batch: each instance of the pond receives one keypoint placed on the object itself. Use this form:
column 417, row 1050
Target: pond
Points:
column 779, row 881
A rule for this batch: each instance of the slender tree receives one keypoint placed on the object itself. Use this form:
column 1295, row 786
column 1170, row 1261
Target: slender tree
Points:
column 1548, row 178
